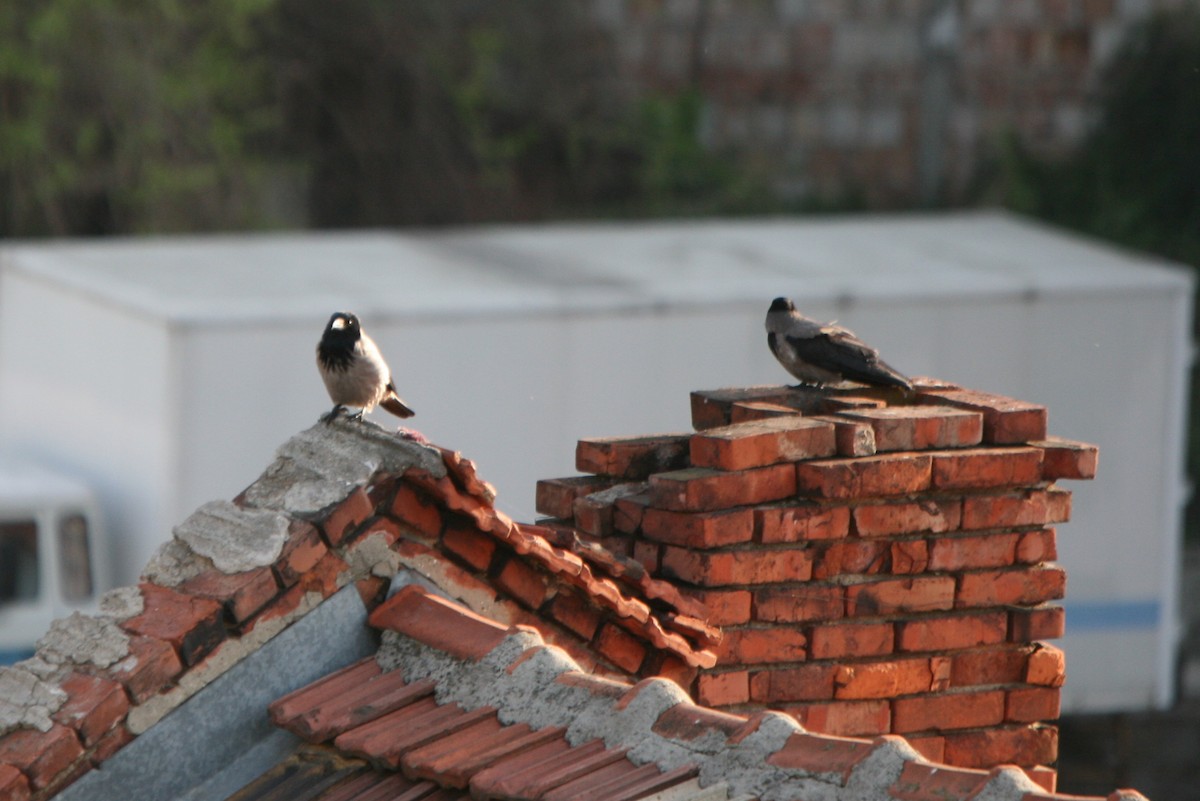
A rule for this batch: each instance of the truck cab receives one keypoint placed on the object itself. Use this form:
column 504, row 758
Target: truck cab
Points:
column 52, row 554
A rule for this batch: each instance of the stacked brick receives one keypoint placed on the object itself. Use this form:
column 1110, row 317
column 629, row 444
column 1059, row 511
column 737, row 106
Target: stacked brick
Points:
column 878, row 564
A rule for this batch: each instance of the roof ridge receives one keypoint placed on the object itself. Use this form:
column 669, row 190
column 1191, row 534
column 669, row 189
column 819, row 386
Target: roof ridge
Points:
column 478, row 663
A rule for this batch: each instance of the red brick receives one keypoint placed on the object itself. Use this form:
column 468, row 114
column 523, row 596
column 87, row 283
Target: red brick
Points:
column 1067, row 459
column 1033, row 704
column 555, row 497
column 920, row 594
column 703, row 489
column 593, row 514
column 1045, row 622
column 713, row 407
column 722, row 568
column 151, row 667
column 849, row 557
column 909, row 556
column 522, row 582
column 13, row 784
column 960, row 710
column 1011, row 745
column 632, row 458
column 116, row 739
column 1009, row 510
column 723, row 689
column 649, row 555
column 986, row 467
column 469, row 545
column 240, row 594
column 853, row 640
column 628, row 512
column 962, row 553
column 746, row 411
column 417, row 510
column 798, row 523
column 621, row 648
column 1035, row 547
column 699, row 529
column 303, row 549
column 852, row 437
column 1024, row 586
column 377, row 525
column 324, row 577
column 865, row 477
column 576, row 613
column 762, row 442
column 952, row 632
column 911, row 428
column 990, row 666
column 761, row 646
column 1058, row 505
column 797, row 604
column 1006, row 421
column 845, row 718
column 725, row 607
column 191, row 625
column 1047, row 666
column 891, row 678
column 93, row 706
column 907, row 517
column 41, row 756
column 798, row 683
column 345, row 518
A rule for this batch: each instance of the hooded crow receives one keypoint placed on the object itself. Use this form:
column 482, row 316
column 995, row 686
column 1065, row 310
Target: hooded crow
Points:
column 353, row 370
column 819, row 354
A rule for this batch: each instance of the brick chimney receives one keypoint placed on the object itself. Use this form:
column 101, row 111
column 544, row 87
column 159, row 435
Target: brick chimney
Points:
column 878, row 564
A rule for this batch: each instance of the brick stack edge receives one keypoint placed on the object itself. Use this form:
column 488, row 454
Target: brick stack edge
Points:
column 878, row 563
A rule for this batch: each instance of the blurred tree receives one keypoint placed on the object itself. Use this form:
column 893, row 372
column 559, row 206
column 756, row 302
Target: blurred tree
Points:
column 131, row 115
column 1136, row 179
column 454, row 111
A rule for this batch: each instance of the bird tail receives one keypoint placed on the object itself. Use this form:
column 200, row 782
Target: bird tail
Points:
column 393, row 404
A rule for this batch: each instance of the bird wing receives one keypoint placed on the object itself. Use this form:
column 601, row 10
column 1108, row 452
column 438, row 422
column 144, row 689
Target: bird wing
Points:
column 838, row 349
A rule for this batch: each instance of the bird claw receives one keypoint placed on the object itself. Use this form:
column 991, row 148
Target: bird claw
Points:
column 333, row 413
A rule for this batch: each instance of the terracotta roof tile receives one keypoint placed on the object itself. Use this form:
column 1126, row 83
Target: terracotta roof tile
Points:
column 580, row 736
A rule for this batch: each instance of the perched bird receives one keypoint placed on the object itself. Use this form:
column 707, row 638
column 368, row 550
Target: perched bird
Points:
column 354, row 371
column 818, row 354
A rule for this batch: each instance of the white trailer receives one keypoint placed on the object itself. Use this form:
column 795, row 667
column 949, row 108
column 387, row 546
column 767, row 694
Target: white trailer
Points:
column 165, row 371
column 52, row 554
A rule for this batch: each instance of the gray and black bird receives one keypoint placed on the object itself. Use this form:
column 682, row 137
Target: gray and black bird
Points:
column 354, row 371
column 822, row 353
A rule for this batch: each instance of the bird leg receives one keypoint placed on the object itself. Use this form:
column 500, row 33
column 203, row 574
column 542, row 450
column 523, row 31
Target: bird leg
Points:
column 332, row 414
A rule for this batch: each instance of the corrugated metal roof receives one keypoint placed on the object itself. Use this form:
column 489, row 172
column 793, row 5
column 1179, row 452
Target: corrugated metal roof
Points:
column 557, row 268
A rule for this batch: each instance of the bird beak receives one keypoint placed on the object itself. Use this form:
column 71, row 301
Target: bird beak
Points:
column 338, row 324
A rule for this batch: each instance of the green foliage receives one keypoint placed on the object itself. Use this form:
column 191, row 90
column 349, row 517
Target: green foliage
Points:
column 1136, row 180
column 127, row 115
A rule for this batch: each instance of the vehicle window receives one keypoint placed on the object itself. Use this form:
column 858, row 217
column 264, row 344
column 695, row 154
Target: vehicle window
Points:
column 74, row 555
column 18, row 561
